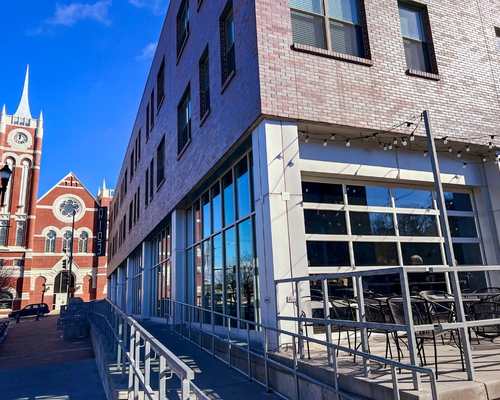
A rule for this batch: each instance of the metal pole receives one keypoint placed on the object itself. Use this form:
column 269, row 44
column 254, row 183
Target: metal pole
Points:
column 361, row 317
column 328, row 327
column 71, row 282
column 448, row 244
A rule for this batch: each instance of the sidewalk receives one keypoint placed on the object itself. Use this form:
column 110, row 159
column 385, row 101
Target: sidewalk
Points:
column 36, row 364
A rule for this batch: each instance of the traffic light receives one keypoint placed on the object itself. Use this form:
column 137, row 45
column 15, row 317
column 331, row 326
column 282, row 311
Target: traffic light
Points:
column 64, row 263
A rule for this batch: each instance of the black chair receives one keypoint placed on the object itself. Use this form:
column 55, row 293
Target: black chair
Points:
column 421, row 316
column 376, row 312
column 494, row 291
column 487, row 310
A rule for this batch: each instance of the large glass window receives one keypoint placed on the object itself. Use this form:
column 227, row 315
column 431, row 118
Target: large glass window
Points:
column 344, row 20
column 386, row 226
column 182, row 25
column 161, row 248
column 227, row 43
column 223, row 246
column 204, row 79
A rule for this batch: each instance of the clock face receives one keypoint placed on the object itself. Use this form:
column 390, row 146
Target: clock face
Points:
column 21, row 138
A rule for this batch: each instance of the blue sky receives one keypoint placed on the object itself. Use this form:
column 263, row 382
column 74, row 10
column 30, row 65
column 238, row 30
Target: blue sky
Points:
column 89, row 60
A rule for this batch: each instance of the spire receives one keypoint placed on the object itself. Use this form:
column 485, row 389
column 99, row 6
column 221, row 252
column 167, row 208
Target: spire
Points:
column 23, row 110
column 103, row 184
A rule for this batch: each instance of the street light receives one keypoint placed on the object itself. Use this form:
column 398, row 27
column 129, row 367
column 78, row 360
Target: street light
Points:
column 71, row 289
column 5, row 174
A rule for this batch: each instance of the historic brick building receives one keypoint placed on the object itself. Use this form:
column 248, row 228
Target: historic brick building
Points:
column 35, row 234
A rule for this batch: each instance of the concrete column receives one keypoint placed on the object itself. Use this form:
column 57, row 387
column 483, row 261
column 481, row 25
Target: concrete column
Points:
column 128, row 286
column 146, row 279
column 492, row 203
column 280, row 231
column 178, row 259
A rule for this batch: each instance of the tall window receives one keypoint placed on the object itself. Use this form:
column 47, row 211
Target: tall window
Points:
column 161, row 270
column 160, row 163
column 66, row 242
column 21, row 233
column 416, row 38
column 226, row 26
column 221, row 258
column 182, row 25
column 4, row 232
column 204, row 77
column 152, row 109
column 160, row 85
column 344, row 19
column 83, row 242
column 50, row 242
column 151, row 180
column 184, row 121
column 148, row 129
column 146, row 188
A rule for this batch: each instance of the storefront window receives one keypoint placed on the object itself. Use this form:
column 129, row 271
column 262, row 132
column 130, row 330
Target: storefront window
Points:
column 224, row 259
column 161, row 276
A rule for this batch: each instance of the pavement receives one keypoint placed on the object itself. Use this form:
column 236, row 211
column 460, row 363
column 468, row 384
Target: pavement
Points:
column 36, row 364
column 213, row 377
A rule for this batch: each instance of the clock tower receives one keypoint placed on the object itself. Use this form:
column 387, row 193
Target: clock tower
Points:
column 21, row 138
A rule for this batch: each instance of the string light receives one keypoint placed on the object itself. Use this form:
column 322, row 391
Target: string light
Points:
column 484, row 159
column 412, row 137
column 467, row 149
column 385, row 147
column 459, row 154
column 445, row 140
column 348, row 143
column 465, row 165
column 395, row 142
column 333, row 136
column 426, row 153
column 325, row 143
column 404, row 142
column 450, row 150
column 390, row 147
column 306, row 139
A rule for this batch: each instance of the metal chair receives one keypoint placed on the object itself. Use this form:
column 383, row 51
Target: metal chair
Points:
column 487, row 310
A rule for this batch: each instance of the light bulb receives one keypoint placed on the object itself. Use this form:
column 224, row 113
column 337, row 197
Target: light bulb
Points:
column 325, row 143
column 347, row 143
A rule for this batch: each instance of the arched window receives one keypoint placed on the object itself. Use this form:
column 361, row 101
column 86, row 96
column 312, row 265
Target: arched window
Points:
column 62, row 281
column 21, row 233
column 66, row 244
column 50, row 242
column 83, row 243
column 5, row 300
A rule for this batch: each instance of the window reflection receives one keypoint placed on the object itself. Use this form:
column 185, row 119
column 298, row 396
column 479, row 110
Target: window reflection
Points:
column 458, row 201
column 422, row 254
column 368, row 196
column 374, row 254
column 417, row 225
column 464, row 227
column 228, row 191
column 218, row 272
column 325, row 222
column 216, row 208
column 247, row 270
column 413, row 198
column 230, row 271
column 380, row 224
column 207, row 218
column 243, row 188
column 314, row 192
column 328, row 254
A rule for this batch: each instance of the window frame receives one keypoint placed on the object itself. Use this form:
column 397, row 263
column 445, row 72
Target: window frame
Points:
column 365, row 59
column 184, row 102
column 227, row 73
column 184, row 30
column 428, row 41
column 160, row 163
column 204, row 89
column 160, row 85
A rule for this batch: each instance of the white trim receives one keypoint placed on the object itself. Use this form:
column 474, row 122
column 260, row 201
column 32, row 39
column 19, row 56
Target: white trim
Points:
column 69, row 174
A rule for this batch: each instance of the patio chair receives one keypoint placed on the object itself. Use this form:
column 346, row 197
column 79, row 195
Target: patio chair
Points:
column 487, row 310
column 375, row 312
column 494, row 291
column 421, row 316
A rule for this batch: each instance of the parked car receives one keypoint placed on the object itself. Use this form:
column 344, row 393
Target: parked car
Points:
column 30, row 310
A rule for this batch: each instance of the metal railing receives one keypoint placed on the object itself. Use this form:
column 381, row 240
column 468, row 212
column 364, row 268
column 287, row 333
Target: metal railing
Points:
column 148, row 362
column 256, row 340
column 410, row 328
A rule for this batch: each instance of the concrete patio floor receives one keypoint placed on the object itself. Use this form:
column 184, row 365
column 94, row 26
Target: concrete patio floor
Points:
column 452, row 383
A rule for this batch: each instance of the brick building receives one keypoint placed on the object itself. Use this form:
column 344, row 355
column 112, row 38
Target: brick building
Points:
column 282, row 138
column 35, row 234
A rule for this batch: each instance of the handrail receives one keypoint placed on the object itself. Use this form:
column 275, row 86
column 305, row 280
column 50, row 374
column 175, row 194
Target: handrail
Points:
column 296, row 339
column 129, row 337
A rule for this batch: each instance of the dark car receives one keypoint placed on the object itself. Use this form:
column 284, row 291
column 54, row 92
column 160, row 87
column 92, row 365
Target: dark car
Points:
column 31, row 310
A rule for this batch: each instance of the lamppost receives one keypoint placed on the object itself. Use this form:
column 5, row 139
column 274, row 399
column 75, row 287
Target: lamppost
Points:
column 5, row 174
column 71, row 288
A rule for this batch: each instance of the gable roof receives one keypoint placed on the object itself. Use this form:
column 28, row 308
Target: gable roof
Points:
column 68, row 175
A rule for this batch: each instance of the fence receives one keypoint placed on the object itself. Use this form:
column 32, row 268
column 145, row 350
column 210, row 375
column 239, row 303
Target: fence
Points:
column 148, row 363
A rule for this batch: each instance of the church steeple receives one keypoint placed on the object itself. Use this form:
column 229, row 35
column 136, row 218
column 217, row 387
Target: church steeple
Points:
column 23, row 110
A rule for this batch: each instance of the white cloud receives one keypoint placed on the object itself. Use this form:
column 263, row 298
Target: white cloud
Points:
column 156, row 6
column 148, row 51
column 70, row 14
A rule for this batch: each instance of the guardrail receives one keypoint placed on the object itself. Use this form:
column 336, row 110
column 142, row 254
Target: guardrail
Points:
column 460, row 324
column 137, row 351
column 186, row 319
